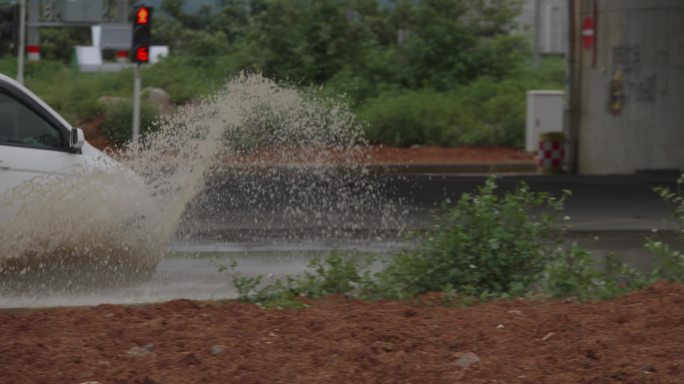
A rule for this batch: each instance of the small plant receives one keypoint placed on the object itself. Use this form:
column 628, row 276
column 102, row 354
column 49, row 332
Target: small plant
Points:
column 670, row 261
column 574, row 273
column 246, row 287
column 118, row 121
column 333, row 274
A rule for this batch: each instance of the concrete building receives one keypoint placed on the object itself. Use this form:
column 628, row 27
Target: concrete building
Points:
column 553, row 25
column 625, row 106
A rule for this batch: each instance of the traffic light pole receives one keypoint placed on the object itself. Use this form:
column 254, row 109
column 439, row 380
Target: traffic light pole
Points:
column 142, row 17
column 22, row 41
column 136, row 101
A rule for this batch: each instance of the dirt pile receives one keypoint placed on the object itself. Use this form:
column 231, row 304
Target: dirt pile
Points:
column 638, row 338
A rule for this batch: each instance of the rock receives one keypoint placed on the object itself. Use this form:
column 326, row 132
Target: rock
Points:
column 647, row 368
column 149, row 347
column 515, row 312
column 158, row 97
column 466, row 359
column 139, row 352
column 216, row 349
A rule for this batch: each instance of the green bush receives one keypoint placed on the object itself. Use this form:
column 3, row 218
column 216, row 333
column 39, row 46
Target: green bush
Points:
column 118, row 121
column 486, row 112
column 574, row 273
column 486, row 245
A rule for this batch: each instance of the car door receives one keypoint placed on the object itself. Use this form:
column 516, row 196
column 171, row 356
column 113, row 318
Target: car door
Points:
column 33, row 143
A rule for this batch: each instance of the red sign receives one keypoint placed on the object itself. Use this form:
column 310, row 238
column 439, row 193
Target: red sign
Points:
column 588, row 32
column 142, row 17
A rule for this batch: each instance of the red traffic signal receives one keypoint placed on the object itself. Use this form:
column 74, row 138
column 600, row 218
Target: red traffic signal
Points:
column 142, row 54
column 142, row 27
column 142, row 16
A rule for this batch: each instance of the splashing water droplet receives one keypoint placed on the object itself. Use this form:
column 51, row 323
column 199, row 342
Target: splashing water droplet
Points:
column 255, row 159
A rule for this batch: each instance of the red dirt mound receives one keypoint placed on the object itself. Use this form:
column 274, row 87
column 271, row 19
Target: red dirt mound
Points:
column 638, row 338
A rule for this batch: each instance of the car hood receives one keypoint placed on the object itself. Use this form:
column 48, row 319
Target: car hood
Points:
column 97, row 160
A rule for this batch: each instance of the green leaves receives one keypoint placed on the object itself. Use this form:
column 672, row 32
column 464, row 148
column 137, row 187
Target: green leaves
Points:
column 488, row 242
column 670, row 260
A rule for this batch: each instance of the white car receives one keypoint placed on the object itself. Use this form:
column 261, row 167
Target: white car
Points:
column 34, row 139
column 64, row 205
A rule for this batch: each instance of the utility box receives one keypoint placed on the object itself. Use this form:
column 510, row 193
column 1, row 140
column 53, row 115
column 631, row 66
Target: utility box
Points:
column 544, row 114
column 81, row 11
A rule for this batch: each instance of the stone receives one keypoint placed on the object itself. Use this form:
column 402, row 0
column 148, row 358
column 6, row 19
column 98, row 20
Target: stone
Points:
column 158, row 97
column 216, row 349
column 466, row 359
column 139, row 352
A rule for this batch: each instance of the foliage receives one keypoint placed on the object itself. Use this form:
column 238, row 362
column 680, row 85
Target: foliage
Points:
column 333, row 274
column 486, row 244
column 486, row 112
column 245, row 286
column 574, row 273
column 119, row 121
column 670, row 260
column 58, row 43
column 442, row 72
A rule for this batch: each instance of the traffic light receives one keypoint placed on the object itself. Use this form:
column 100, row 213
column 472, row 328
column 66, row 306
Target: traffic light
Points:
column 9, row 23
column 142, row 28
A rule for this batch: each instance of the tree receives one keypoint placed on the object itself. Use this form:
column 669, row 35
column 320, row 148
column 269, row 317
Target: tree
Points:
column 309, row 40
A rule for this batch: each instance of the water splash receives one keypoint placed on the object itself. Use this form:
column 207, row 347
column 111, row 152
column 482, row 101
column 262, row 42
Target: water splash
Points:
column 254, row 160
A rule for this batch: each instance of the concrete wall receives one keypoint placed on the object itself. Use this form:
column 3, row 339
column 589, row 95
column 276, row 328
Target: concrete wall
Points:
column 553, row 28
column 631, row 103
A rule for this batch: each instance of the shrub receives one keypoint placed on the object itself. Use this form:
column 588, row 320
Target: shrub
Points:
column 486, row 112
column 574, row 273
column 333, row 274
column 406, row 118
column 486, row 245
column 118, row 121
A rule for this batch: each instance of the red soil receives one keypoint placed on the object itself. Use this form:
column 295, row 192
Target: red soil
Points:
column 638, row 338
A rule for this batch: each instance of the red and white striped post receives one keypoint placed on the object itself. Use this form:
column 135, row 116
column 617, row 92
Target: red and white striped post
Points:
column 121, row 56
column 33, row 52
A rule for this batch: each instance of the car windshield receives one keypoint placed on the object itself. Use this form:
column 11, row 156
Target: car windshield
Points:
column 21, row 125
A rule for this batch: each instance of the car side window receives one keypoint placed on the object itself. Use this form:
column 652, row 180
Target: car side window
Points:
column 19, row 125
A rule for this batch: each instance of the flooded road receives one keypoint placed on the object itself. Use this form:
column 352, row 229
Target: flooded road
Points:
column 192, row 271
column 607, row 216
